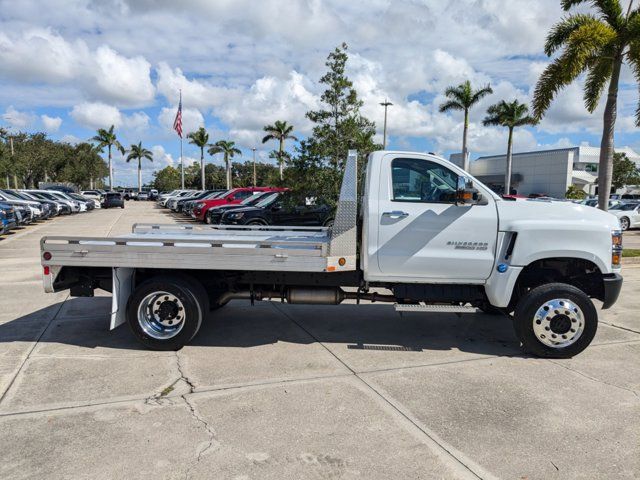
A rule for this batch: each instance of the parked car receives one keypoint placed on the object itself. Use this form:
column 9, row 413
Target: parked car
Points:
column 214, row 214
column 8, row 217
column 164, row 201
column 593, row 202
column 75, row 205
column 177, row 204
column 233, row 196
column 92, row 194
column 89, row 202
column 628, row 214
column 23, row 214
column 153, row 194
column 189, row 205
column 113, row 199
column 60, row 188
column 49, row 207
column 130, row 194
column 41, row 209
column 35, row 210
column 143, row 195
column 65, row 207
column 282, row 209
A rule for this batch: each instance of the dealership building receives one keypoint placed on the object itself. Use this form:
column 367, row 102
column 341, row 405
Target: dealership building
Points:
column 549, row 172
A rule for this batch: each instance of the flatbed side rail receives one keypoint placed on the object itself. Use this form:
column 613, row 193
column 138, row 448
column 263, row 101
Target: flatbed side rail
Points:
column 292, row 246
column 152, row 228
column 344, row 232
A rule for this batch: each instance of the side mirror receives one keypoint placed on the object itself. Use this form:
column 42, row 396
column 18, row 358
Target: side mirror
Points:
column 465, row 193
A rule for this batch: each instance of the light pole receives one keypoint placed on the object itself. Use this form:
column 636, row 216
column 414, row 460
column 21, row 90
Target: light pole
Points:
column 254, row 166
column 385, row 104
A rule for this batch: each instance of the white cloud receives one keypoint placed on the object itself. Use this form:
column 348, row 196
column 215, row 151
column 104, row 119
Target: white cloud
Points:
column 17, row 119
column 51, row 124
column 161, row 158
column 94, row 115
column 42, row 56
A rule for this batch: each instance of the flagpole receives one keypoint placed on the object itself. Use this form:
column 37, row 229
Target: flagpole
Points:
column 181, row 157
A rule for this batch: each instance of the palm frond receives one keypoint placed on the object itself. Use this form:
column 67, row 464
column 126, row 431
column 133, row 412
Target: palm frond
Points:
column 560, row 32
column 481, row 93
column 634, row 63
column 595, row 82
column 451, row 105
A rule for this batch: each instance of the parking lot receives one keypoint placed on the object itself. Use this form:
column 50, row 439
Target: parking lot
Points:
column 293, row 391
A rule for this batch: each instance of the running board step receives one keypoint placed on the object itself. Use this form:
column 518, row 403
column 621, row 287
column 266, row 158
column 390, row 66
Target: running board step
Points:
column 416, row 307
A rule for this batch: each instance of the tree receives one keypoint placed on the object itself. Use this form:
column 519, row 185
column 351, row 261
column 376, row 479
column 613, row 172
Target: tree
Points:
column 107, row 138
column 83, row 166
column 463, row 97
column 595, row 44
column 575, row 193
column 624, row 173
column 510, row 115
column 138, row 152
column 200, row 138
column 339, row 126
column 166, row 179
column 279, row 131
column 266, row 174
column 229, row 150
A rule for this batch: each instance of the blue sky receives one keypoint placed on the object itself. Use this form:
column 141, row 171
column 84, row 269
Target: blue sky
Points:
column 70, row 66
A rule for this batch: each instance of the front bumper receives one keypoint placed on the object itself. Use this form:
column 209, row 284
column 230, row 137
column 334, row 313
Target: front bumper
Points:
column 612, row 285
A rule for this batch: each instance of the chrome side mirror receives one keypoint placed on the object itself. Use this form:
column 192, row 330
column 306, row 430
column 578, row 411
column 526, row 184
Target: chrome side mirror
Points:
column 465, row 193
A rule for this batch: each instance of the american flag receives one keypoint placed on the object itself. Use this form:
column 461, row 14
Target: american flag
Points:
column 177, row 123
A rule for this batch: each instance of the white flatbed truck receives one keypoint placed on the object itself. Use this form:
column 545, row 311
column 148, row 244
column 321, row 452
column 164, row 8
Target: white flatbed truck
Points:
column 435, row 238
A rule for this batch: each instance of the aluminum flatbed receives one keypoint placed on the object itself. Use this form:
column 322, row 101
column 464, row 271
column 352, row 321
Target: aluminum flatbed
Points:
column 217, row 247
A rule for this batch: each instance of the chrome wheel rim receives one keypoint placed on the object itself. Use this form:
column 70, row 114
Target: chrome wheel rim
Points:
column 161, row 315
column 558, row 323
column 624, row 223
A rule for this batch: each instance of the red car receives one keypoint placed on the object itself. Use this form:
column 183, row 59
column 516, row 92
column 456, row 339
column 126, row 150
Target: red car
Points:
column 231, row 197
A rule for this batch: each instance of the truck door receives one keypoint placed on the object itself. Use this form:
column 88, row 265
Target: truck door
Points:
column 422, row 233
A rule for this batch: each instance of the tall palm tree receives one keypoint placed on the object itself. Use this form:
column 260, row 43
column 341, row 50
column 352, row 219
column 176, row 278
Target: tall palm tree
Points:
column 107, row 138
column 138, row 152
column 510, row 115
column 463, row 97
column 229, row 150
column 279, row 131
column 200, row 138
column 597, row 44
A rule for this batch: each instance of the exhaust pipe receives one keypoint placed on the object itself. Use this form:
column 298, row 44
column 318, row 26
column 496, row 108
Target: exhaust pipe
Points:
column 307, row 295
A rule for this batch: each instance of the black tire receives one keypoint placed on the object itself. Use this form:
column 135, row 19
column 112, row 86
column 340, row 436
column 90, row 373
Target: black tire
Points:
column 624, row 223
column 188, row 291
column 257, row 222
column 530, row 303
column 121, row 206
column 329, row 223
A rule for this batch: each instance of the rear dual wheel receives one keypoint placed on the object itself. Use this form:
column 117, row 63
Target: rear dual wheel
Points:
column 165, row 313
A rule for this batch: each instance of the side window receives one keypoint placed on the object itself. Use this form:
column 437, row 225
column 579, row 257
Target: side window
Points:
column 416, row 180
column 242, row 195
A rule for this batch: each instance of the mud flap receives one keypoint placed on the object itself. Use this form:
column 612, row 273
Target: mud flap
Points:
column 122, row 288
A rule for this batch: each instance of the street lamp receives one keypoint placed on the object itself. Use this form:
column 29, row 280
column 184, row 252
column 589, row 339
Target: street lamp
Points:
column 385, row 104
column 254, row 166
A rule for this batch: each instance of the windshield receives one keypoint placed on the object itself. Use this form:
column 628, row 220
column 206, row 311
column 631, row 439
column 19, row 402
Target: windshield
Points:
column 253, row 199
column 625, row 207
column 11, row 195
column 268, row 200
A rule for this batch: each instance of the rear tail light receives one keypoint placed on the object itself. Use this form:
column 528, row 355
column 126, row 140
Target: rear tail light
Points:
column 47, row 256
column 45, row 270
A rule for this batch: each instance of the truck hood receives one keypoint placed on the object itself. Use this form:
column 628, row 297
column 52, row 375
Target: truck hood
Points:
column 513, row 214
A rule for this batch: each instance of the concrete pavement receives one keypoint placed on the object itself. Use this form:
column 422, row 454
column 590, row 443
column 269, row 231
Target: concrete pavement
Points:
column 290, row 391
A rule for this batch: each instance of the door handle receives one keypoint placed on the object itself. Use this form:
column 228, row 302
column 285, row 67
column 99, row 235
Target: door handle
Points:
column 395, row 214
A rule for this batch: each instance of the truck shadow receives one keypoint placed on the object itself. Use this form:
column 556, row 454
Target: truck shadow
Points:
column 84, row 322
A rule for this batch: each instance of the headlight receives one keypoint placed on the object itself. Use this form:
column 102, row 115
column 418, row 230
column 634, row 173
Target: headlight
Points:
column 236, row 216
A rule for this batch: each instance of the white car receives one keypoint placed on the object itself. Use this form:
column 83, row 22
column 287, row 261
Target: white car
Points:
column 628, row 214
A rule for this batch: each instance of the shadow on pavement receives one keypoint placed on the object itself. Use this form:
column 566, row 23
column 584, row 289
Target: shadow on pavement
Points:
column 363, row 327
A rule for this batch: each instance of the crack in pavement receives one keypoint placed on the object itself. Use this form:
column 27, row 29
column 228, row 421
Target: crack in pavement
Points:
column 593, row 379
column 194, row 413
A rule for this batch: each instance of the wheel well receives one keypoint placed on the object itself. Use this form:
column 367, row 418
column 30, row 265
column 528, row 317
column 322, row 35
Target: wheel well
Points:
column 580, row 273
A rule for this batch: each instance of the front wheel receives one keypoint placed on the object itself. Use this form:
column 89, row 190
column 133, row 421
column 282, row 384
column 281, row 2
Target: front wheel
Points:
column 624, row 223
column 166, row 313
column 555, row 320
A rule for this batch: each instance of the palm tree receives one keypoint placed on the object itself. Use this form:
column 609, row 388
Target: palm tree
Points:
column 107, row 138
column 510, row 115
column 597, row 44
column 138, row 152
column 200, row 138
column 463, row 97
column 229, row 150
column 279, row 131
